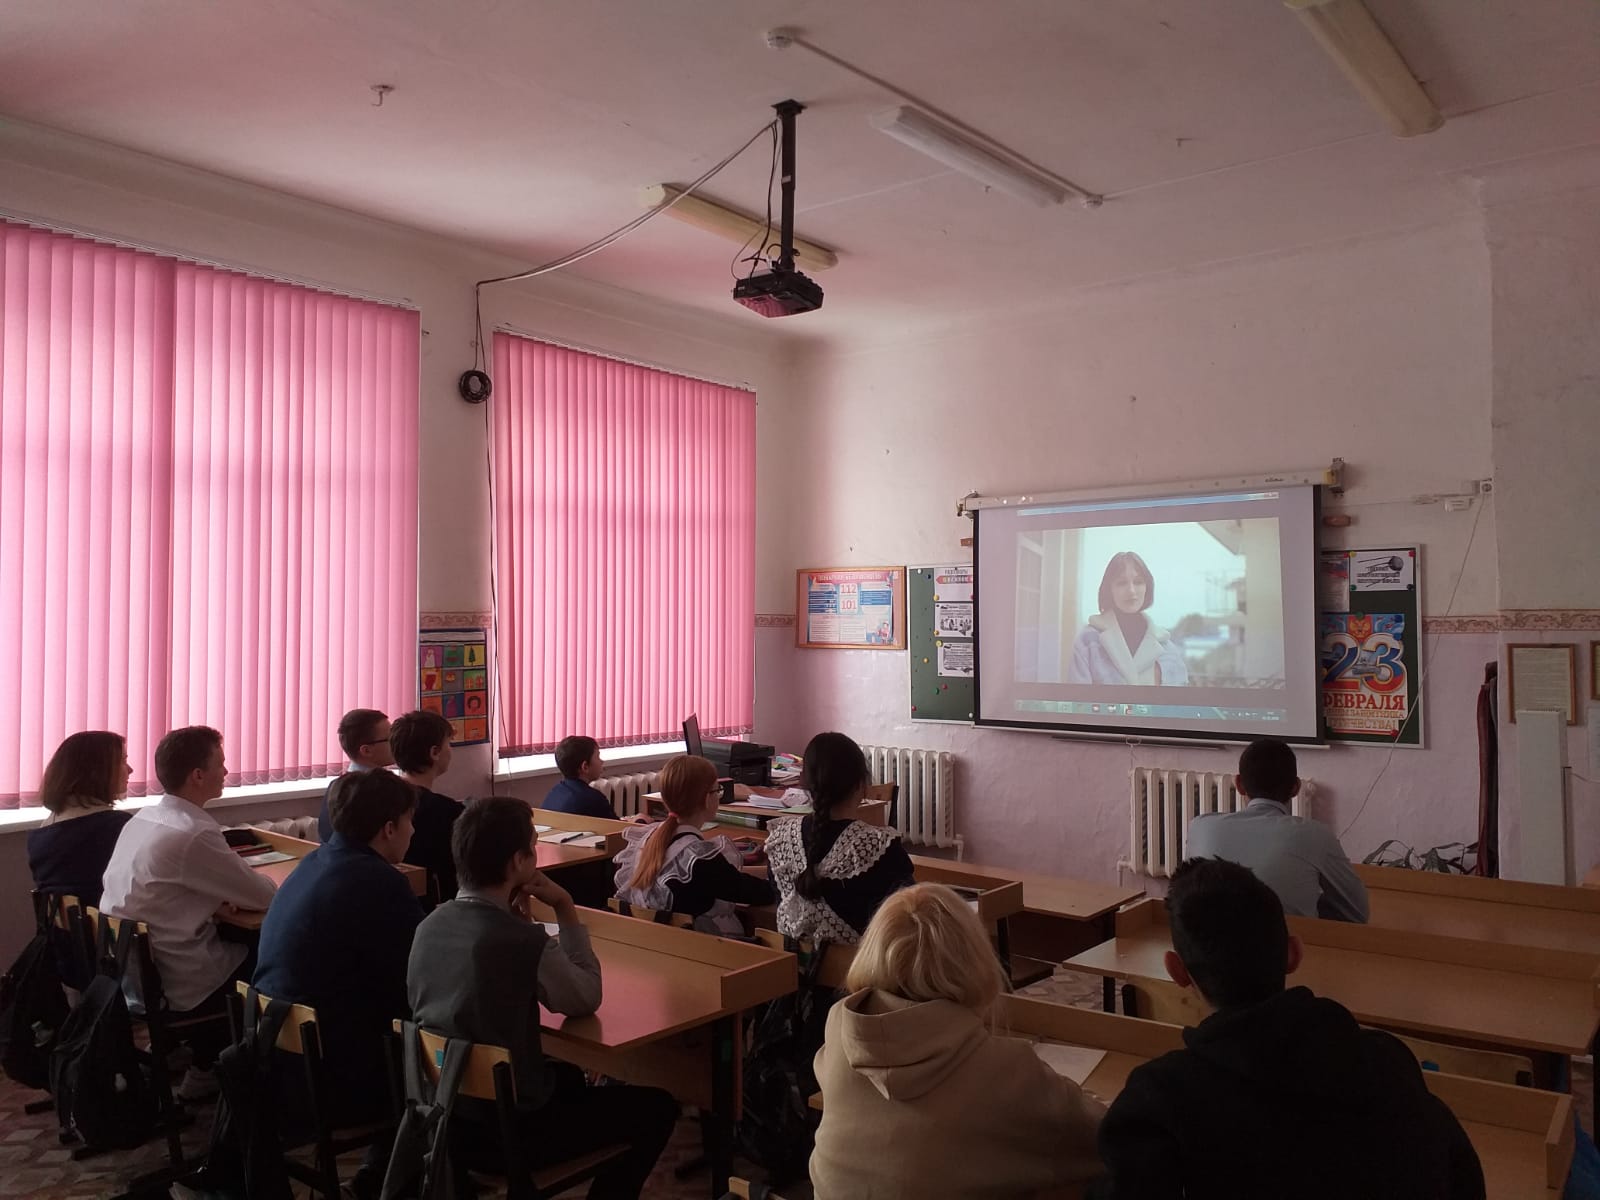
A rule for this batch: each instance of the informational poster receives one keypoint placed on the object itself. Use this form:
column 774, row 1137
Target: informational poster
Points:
column 953, row 620
column 952, row 585
column 453, row 680
column 855, row 608
column 1371, row 632
column 956, row 660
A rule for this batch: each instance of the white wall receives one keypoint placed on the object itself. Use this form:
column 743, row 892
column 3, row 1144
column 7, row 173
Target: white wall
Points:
column 1375, row 351
column 1542, row 220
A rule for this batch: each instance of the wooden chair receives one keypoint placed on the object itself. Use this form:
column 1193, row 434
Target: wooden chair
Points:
column 488, row 1076
column 836, row 957
column 300, row 1037
column 161, row 1028
column 746, row 1190
column 66, row 915
column 885, row 793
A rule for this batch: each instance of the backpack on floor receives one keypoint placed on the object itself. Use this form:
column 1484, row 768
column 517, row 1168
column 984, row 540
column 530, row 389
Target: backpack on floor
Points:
column 420, row 1167
column 245, row 1159
column 779, row 1079
column 33, row 1006
column 97, row 1075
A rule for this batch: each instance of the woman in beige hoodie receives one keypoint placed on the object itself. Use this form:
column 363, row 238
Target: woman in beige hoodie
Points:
column 920, row 1098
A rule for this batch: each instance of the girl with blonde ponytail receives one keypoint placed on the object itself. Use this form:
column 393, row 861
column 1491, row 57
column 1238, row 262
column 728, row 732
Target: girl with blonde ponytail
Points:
column 671, row 867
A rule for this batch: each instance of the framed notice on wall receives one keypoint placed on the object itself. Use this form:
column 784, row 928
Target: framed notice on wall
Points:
column 850, row 608
column 453, row 680
column 1543, row 675
column 1370, row 639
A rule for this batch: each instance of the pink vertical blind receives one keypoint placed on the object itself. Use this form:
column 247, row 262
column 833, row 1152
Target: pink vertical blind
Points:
column 625, row 549
column 207, row 508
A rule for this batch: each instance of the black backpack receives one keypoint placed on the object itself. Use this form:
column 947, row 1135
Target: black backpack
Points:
column 97, row 1075
column 245, row 1158
column 779, row 1077
column 33, row 1006
column 420, row 1166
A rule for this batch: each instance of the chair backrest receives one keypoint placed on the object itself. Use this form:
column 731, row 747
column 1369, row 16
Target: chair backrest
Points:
column 103, row 931
column 886, row 794
column 478, row 1078
column 836, row 957
column 298, row 1026
column 742, row 1189
column 660, row 917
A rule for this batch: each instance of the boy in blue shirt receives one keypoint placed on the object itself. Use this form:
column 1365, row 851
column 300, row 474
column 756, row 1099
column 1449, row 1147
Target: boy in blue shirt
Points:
column 578, row 760
column 338, row 937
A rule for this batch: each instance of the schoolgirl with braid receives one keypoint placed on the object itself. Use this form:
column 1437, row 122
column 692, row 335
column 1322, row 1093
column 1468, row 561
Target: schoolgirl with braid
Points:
column 671, row 867
column 831, row 869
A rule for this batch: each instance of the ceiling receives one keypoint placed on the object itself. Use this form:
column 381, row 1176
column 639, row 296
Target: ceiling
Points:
column 1216, row 128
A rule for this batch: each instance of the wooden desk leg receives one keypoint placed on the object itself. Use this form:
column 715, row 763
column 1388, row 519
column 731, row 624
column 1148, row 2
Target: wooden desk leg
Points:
column 724, row 1098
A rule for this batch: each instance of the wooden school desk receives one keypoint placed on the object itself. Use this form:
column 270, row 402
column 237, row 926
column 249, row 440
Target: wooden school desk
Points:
column 751, row 820
column 1523, row 1136
column 1074, row 913
column 1485, row 910
column 279, row 871
column 578, row 823
column 1529, row 1000
column 670, row 1015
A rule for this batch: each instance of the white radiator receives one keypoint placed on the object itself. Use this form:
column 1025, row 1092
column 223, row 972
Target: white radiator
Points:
column 627, row 792
column 925, row 808
column 1162, row 802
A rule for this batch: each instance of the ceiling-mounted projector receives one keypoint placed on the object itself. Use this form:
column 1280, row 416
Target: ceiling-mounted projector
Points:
column 778, row 293
column 782, row 291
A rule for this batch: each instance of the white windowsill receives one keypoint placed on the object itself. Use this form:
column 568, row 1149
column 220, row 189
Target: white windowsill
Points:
column 21, row 820
column 532, row 766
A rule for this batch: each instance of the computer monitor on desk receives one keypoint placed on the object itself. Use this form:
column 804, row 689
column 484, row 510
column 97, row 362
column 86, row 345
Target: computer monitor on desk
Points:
column 743, row 762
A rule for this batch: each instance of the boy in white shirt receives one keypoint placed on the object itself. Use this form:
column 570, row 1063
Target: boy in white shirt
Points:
column 173, row 870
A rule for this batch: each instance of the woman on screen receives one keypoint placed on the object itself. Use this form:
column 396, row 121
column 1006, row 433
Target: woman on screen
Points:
column 1119, row 644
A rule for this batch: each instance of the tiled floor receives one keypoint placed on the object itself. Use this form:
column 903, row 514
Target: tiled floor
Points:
column 34, row 1164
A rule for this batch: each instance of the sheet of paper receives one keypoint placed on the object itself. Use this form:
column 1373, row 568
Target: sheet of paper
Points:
column 1077, row 1063
column 543, row 828
column 774, row 802
column 267, row 859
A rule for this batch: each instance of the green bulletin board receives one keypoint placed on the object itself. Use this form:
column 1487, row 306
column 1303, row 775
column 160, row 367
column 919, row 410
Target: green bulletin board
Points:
column 1370, row 640
column 939, row 618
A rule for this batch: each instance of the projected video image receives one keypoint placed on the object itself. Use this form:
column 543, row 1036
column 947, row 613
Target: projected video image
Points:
column 1169, row 605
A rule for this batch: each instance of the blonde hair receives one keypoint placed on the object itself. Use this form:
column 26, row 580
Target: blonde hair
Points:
column 924, row 943
column 686, row 782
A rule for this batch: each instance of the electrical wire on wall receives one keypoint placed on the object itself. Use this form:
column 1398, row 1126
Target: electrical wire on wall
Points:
column 1427, row 666
column 610, row 239
column 482, row 393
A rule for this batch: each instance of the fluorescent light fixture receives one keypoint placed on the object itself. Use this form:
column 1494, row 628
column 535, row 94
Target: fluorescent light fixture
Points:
column 938, row 141
column 732, row 224
column 1370, row 61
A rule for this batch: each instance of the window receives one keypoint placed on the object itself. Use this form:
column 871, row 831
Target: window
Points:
column 208, row 508
column 624, row 549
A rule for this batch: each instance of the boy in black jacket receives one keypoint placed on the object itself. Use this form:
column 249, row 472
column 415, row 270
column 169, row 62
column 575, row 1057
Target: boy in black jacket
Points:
column 1279, row 1092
